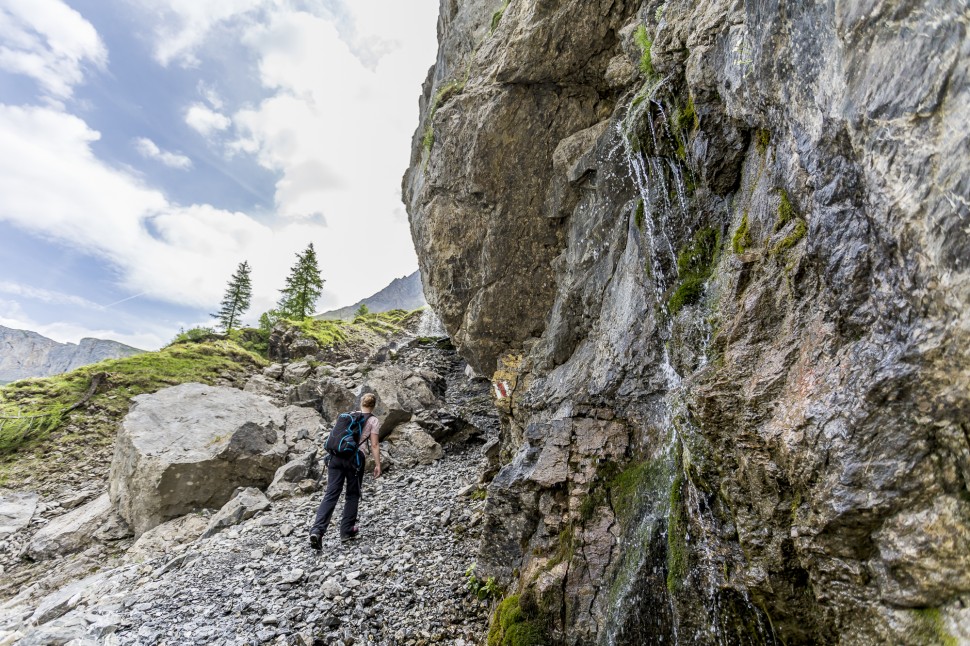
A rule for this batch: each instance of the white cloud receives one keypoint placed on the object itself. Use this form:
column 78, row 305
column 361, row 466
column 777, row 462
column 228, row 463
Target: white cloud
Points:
column 206, row 121
column 51, row 184
column 50, row 42
column 181, row 26
column 45, row 295
column 150, row 150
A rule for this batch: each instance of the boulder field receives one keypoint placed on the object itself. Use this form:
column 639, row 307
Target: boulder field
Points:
column 200, row 534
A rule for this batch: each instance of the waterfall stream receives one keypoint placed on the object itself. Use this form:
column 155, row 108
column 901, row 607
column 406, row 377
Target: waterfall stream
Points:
column 659, row 540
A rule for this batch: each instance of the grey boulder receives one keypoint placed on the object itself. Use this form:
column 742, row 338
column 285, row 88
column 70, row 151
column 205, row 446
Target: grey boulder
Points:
column 302, row 429
column 71, row 532
column 244, row 505
column 408, row 446
column 16, row 510
column 288, row 476
column 326, row 394
column 401, row 393
column 163, row 538
column 190, row 447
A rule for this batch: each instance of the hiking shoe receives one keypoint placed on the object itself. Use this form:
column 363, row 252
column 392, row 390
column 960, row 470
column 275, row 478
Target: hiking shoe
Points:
column 314, row 541
column 351, row 535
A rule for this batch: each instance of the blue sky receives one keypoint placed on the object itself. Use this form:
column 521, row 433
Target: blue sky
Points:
column 152, row 145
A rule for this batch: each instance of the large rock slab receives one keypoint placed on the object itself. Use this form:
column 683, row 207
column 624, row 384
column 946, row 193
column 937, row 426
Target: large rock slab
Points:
column 402, row 392
column 16, row 510
column 190, row 447
column 71, row 532
column 303, row 427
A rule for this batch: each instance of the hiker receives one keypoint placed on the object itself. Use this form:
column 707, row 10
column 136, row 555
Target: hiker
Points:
column 352, row 433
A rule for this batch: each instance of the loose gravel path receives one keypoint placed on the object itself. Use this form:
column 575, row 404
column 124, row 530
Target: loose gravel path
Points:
column 401, row 582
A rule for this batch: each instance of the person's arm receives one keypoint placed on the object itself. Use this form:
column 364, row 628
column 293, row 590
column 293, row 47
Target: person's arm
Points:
column 376, row 451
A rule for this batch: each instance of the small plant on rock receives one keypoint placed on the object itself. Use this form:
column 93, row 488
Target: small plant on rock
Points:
column 482, row 588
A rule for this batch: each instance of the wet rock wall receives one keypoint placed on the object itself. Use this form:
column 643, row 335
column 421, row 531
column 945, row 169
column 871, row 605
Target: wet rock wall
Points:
column 715, row 255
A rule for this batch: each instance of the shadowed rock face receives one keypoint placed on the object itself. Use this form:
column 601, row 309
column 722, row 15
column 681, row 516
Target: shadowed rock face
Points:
column 726, row 300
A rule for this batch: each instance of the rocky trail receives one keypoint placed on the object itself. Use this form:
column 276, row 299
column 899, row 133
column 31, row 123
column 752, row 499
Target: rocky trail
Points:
column 245, row 574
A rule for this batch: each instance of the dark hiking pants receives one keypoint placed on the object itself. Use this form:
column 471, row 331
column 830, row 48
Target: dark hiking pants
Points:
column 338, row 472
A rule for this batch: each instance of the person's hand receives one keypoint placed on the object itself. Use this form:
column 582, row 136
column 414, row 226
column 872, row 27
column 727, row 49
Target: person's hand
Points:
column 377, row 472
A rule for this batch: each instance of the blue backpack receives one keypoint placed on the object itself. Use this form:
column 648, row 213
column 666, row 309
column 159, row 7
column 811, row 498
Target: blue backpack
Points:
column 344, row 438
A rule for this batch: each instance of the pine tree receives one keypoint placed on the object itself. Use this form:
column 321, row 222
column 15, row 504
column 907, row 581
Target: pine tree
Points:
column 236, row 300
column 303, row 287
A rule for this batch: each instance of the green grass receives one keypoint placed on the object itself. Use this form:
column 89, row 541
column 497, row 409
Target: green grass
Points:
column 644, row 42
column 444, row 93
column 45, row 400
column 695, row 263
column 325, row 332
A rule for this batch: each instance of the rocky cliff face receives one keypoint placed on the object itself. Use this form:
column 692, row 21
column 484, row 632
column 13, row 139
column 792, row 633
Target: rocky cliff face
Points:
column 716, row 255
column 28, row 354
column 403, row 293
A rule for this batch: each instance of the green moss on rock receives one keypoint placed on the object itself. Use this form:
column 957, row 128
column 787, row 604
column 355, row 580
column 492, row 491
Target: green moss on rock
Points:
column 695, row 263
column 512, row 626
column 930, row 629
column 638, row 216
column 789, row 241
column 762, row 139
column 786, row 212
column 742, row 236
column 676, row 535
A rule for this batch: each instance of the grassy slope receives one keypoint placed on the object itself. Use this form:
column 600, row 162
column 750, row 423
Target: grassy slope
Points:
column 57, row 441
column 59, row 447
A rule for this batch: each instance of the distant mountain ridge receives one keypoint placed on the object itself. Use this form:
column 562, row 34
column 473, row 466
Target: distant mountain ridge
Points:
column 404, row 293
column 26, row 354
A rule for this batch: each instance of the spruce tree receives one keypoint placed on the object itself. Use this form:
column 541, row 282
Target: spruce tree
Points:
column 236, row 300
column 303, row 287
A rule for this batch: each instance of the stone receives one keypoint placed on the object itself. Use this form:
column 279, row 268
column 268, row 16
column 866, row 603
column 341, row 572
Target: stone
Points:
column 400, row 393
column 297, row 372
column 265, row 386
column 161, row 471
column 70, row 532
column 409, row 445
column 303, row 427
column 16, row 510
column 290, row 474
column 735, row 297
column 326, row 394
column 61, row 601
column 166, row 537
column 245, row 504
column 274, row 371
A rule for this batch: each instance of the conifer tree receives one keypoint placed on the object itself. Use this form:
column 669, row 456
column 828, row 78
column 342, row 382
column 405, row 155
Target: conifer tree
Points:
column 236, row 300
column 303, row 287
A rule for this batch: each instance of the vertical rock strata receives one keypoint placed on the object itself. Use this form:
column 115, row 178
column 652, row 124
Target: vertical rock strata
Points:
column 716, row 255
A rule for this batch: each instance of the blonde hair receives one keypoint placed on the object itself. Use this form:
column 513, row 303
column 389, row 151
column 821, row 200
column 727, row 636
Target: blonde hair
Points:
column 368, row 401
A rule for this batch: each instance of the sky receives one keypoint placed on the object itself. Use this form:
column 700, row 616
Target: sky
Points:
column 147, row 147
